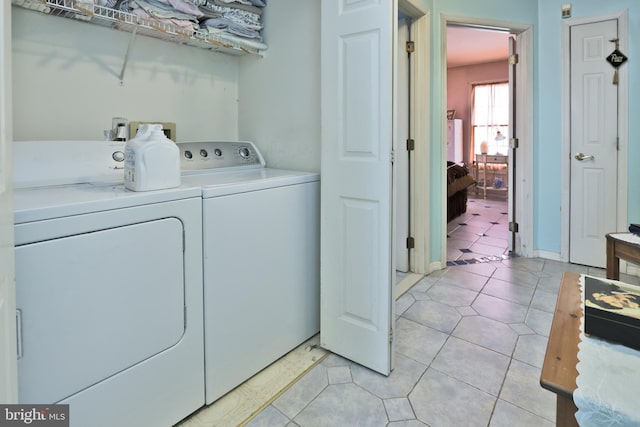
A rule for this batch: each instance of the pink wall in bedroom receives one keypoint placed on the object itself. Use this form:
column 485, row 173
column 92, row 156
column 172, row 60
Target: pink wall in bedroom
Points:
column 459, row 81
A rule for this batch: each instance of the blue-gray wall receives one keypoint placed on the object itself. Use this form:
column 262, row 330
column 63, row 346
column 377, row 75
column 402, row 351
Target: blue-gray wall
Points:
column 545, row 17
column 547, row 167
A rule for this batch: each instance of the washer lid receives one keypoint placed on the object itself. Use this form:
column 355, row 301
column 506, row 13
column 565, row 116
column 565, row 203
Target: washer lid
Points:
column 242, row 181
column 46, row 163
column 40, row 203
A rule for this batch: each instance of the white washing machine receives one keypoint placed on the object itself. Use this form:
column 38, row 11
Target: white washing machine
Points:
column 109, row 289
column 261, row 248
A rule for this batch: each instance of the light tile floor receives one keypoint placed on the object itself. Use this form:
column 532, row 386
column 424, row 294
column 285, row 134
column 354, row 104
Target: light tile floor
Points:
column 470, row 341
column 470, row 344
column 480, row 233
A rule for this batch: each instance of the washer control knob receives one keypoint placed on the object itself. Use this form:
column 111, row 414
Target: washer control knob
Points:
column 203, row 153
column 244, row 152
column 188, row 154
column 118, row 156
column 217, row 152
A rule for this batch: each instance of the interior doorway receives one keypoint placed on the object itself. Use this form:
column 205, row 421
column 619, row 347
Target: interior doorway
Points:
column 478, row 135
column 502, row 190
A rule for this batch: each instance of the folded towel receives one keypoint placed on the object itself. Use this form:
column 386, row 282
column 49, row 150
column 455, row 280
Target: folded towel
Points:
column 242, row 17
column 231, row 27
column 233, row 5
column 183, row 26
column 162, row 10
column 242, row 41
column 184, row 6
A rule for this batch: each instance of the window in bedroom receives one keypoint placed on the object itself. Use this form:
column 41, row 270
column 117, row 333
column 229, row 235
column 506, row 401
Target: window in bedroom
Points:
column 490, row 117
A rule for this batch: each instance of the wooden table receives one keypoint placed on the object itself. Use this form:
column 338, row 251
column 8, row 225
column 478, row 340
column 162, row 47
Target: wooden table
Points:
column 619, row 249
column 559, row 371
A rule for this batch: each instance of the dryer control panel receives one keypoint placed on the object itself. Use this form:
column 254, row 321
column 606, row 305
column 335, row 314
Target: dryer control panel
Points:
column 219, row 154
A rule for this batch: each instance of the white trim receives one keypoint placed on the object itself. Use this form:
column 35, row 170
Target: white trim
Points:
column 443, row 141
column 8, row 339
column 435, row 266
column 406, row 283
column 525, row 154
column 525, row 111
column 623, row 127
column 632, row 270
column 494, row 24
column 420, row 129
column 554, row 256
column 412, row 8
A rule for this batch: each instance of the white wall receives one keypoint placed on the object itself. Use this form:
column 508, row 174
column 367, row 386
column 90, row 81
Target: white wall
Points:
column 280, row 93
column 66, row 85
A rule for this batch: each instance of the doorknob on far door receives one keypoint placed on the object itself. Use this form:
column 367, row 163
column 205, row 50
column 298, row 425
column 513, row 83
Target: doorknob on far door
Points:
column 582, row 156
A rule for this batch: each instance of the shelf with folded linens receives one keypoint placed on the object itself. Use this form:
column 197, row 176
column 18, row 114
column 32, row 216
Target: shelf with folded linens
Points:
column 173, row 31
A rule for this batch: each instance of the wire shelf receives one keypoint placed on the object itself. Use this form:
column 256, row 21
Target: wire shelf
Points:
column 124, row 21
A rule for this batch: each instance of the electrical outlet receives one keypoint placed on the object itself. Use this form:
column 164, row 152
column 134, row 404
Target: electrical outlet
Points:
column 566, row 11
column 169, row 128
column 115, row 121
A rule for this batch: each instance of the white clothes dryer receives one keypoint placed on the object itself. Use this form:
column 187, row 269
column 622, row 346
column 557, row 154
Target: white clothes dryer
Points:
column 261, row 249
column 109, row 289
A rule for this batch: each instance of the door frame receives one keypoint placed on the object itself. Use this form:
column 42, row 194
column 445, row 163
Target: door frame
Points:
column 420, row 94
column 401, row 186
column 524, row 110
column 623, row 126
column 8, row 359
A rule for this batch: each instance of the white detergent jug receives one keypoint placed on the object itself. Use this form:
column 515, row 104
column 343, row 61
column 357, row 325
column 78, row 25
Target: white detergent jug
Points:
column 151, row 160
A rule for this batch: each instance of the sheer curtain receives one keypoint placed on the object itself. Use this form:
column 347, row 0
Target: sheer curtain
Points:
column 490, row 118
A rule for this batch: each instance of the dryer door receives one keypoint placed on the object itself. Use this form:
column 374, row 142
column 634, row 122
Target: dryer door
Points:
column 95, row 304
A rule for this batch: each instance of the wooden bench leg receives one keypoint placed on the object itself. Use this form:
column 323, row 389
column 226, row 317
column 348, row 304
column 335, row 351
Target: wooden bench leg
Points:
column 613, row 263
column 565, row 412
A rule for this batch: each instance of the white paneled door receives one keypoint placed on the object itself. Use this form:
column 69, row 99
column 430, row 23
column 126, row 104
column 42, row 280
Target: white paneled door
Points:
column 594, row 152
column 357, row 56
column 8, row 370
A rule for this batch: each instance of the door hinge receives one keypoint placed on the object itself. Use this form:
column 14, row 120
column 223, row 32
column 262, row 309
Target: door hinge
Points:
column 411, row 144
column 391, row 336
column 513, row 227
column 393, row 156
column 513, row 59
column 514, row 143
column 19, row 333
column 410, row 47
column 411, row 243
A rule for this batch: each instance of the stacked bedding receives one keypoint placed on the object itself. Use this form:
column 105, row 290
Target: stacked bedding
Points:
column 183, row 14
column 239, row 21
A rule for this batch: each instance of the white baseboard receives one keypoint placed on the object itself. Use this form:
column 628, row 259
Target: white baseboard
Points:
column 435, row 266
column 631, row 269
column 406, row 283
column 554, row 256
